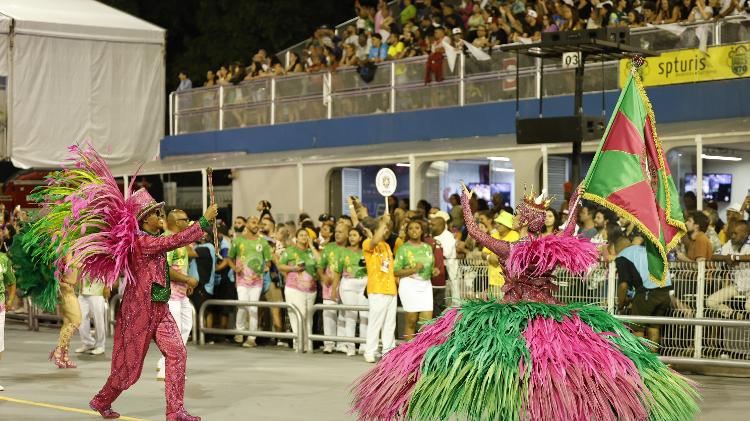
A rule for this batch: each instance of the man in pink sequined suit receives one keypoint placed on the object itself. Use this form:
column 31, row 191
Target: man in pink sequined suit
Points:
column 144, row 314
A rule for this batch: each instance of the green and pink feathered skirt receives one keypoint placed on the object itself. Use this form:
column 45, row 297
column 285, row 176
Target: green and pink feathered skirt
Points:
column 524, row 361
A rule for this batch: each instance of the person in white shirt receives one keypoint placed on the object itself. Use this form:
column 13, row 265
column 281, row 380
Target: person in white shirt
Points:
column 93, row 304
column 736, row 253
column 445, row 240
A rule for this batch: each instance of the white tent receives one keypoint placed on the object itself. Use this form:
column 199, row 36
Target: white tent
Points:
column 76, row 70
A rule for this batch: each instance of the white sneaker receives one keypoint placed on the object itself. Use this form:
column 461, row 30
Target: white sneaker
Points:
column 1, row 388
column 250, row 343
column 84, row 348
column 351, row 352
column 341, row 348
column 369, row 358
column 328, row 349
column 97, row 351
column 161, row 375
column 361, row 351
column 238, row 338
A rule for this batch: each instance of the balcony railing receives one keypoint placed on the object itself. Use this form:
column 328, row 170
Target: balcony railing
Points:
column 400, row 85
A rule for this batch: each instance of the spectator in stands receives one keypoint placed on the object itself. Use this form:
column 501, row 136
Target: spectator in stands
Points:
column 414, row 265
column 349, row 58
column 408, row 13
column 185, row 83
column 736, row 253
column 570, row 19
column 633, row 279
column 548, row 25
column 444, row 249
column 299, row 262
column 378, row 51
column 381, row 287
column 502, row 229
column 294, row 65
column 602, row 218
column 586, row 220
column 395, row 46
column 210, row 78
column 457, row 215
column 713, row 220
column 697, row 243
column 250, row 259
column 734, row 214
column 552, row 223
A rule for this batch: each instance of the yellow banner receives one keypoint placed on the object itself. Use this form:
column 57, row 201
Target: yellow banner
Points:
column 689, row 66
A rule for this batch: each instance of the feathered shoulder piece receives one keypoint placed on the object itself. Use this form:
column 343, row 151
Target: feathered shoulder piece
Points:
column 539, row 256
column 84, row 215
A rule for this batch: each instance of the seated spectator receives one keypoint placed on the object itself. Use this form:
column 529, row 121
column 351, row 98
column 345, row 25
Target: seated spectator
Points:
column 650, row 13
column 481, row 40
column 185, row 83
column 294, row 65
column 364, row 44
column 570, row 19
column 634, row 280
column 476, row 19
column 378, row 51
column 736, row 253
column 697, row 242
column 734, row 214
column 548, row 25
column 713, row 220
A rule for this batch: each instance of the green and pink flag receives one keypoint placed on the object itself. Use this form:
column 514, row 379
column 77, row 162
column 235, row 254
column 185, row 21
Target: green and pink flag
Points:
column 630, row 176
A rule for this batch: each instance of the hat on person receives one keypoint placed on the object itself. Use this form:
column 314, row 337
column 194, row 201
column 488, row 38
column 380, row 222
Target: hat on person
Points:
column 531, row 13
column 144, row 203
column 569, row 2
column 734, row 207
column 441, row 214
column 600, row 5
column 456, row 30
column 505, row 218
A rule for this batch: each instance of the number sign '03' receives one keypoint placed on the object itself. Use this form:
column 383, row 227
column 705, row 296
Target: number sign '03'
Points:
column 571, row 60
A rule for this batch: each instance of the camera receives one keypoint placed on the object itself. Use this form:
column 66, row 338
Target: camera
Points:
column 326, row 217
column 362, row 262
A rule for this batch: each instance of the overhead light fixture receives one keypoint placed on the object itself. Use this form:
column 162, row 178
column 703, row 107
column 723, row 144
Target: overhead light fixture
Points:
column 721, row 158
column 403, row 164
column 499, row 158
column 504, row 169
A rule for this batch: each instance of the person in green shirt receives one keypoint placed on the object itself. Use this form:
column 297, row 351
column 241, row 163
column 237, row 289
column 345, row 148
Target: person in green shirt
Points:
column 329, row 279
column 415, row 266
column 353, row 284
column 299, row 263
column 250, row 257
column 7, row 285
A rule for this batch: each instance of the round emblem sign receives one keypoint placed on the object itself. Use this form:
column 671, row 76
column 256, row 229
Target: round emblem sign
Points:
column 385, row 181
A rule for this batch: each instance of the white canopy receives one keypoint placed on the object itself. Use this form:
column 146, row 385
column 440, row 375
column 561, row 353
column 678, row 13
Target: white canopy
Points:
column 76, row 70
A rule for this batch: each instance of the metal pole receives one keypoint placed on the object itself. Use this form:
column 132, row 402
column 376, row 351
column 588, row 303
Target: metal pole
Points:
column 413, row 190
column 125, row 185
column 221, row 107
column 699, row 303
column 300, row 186
column 699, row 172
column 545, row 168
column 171, row 113
column 176, row 113
column 204, row 189
column 540, row 84
column 273, row 101
column 578, row 112
column 393, row 88
column 461, row 82
column 611, row 287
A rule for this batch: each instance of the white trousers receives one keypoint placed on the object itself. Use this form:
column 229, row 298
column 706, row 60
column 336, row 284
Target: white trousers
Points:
column 93, row 306
column 247, row 312
column 330, row 323
column 304, row 302
column 2, row 329
column 716, row 300
column 381, row 323
column 182, row 312
column 352, row 293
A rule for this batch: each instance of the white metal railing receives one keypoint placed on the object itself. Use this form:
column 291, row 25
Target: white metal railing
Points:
column 700, row 296
column 400, row 85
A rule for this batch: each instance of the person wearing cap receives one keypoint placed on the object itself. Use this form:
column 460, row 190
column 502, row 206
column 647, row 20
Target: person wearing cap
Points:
column 734, row 214
column 144, row 314
column 444, row 248
column 503, row 230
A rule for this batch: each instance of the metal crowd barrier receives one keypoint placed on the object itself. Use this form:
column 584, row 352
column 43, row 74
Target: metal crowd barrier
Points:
column 692, row 332
column 340, row 307
column 300, row 336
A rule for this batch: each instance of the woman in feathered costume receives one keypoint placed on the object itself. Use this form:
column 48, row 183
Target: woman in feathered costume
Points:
column 527, row 357
column 88, row 225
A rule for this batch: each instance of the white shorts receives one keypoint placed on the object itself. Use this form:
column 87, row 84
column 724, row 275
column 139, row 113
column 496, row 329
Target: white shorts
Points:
column 415, row 294
column 2, row 327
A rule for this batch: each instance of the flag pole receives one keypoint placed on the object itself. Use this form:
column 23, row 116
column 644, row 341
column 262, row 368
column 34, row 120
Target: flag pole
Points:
column 210, row 177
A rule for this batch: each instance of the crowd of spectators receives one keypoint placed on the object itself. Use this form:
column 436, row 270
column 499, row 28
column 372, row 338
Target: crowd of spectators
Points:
column 409, row 28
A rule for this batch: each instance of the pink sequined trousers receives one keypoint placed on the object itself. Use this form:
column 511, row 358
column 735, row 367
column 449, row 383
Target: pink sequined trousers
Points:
column 132, row 339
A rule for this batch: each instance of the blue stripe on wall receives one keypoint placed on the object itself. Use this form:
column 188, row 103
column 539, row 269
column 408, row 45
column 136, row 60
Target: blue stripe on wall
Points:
column 694, row 102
